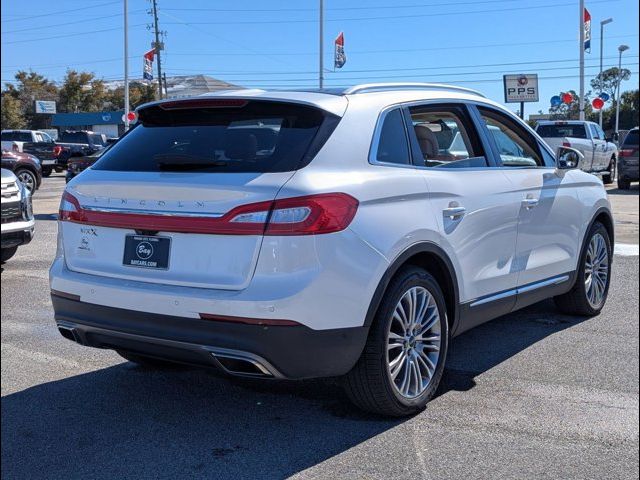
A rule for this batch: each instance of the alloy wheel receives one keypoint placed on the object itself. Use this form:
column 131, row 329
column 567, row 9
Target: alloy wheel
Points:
column 413, row 342
column 27, row 179
column 596, row 270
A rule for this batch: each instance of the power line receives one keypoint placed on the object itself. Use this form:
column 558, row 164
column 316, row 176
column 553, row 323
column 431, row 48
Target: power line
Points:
column 407, row 75
column 102, row 17
column 445, row 67
column 61, row 11
column 388, row 17
column 76, row 34
column 371, row 7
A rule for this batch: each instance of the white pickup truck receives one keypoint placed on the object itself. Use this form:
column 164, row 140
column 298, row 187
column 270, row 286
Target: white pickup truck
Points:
column 599, row 153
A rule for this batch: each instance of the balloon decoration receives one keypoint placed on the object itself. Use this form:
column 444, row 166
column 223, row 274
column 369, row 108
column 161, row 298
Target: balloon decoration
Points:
column 556, row 100
column 597, row 103
column 604, row 96
column 567, row 97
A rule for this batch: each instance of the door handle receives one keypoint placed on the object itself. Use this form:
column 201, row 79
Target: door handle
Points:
column 529, row 202
column 453, row 213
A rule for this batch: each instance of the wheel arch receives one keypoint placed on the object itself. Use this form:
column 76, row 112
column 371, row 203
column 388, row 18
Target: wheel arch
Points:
column 432, row 258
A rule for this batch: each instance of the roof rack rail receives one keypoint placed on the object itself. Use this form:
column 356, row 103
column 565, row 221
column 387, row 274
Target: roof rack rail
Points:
column 381, row 87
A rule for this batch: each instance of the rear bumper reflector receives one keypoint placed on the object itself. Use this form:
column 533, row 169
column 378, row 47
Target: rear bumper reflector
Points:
column 70, row 296
column 249, row 321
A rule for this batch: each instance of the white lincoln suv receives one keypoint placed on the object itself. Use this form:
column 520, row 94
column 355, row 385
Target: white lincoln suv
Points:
column 303, row 234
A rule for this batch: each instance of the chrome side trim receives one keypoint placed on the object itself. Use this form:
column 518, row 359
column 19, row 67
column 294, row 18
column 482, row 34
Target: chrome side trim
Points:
column 524, row 289
column 159, row 213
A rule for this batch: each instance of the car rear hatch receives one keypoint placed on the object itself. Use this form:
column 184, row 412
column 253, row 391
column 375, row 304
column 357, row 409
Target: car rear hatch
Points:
column 184, row 197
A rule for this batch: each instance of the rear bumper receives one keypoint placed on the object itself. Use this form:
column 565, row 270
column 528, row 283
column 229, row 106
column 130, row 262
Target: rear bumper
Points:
column 17, row 233
column 284, row 351
column 628, row 172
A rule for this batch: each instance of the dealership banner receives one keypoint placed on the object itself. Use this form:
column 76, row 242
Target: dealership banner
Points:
column 147, row 66
column 587, row 31
column 340, row 58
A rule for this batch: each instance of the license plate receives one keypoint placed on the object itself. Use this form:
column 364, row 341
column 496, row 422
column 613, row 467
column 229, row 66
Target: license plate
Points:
column 146, row 252
column 48, row 162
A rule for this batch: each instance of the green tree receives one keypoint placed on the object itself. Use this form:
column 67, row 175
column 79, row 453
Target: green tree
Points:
column 139, row 93
column 607, row 81
column 29, row 87
column 571, row 111
column 12, row 116
column 82, row 92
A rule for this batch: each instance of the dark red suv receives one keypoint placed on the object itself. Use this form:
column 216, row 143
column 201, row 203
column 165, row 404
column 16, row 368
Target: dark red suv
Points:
column 26, row 167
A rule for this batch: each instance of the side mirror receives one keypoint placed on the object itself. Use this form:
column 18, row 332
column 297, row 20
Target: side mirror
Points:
column 568, row 158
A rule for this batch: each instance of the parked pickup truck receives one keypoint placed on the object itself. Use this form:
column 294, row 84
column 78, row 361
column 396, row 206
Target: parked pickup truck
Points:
column 52, row 155
column 82, row 142
column 599, row 153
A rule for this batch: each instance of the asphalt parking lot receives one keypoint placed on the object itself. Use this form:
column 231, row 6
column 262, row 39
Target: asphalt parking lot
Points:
column 534, row 394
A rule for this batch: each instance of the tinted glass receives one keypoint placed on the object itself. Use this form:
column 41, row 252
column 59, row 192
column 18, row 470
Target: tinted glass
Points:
column 557, row 131
column 515, row 145
column 392, row 143
column 73, row 137
column 446, row 137
column 97, row 139
column 254, row 137
column 631, row 138
column 16, row 136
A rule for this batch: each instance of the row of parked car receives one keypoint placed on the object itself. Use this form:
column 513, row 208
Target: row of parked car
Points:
column 33, row 154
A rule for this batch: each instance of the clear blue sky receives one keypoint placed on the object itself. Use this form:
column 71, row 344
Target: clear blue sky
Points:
column 263, row 43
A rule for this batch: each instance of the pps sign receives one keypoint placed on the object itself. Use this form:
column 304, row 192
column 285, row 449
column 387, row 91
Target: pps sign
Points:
column 521, row 88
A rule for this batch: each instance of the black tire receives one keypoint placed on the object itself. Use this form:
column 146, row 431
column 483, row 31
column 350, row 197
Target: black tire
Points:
column 46, row 172
column 7, row 253
column 31, row 184
column 369, row 384
column 148, row 362
column 609, row 177
column 624, row 184
column 575, row 301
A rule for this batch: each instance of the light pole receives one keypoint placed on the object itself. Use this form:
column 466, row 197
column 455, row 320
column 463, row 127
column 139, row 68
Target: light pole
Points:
column 602, row 24
column 321, row 52
column 621, row 48
column 126, row 66
column 581, row 30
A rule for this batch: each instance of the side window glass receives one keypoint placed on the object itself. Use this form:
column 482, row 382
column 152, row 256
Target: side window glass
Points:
column 392, row 141
column 514, row 144
column 601, row 133
column 446, row 137
column 594, row 132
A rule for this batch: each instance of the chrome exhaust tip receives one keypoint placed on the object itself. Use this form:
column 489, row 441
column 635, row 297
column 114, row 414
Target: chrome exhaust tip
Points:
column 68, row 333
column 240, row 365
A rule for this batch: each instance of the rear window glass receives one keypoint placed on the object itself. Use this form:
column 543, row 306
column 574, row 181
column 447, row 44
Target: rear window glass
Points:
column 256, row 136
column 556, row 131
column 392, row 145
column 73, row 137
column 16, row 136
column 631, row 138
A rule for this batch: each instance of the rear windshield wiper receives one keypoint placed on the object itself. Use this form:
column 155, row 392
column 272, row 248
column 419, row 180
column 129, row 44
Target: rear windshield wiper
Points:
column 183, row 161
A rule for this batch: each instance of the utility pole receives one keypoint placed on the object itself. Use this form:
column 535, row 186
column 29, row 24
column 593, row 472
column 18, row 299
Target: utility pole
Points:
column 581, row 20
column 126, row 66
column 157, row 45
column 621, row 49
column 321, row 66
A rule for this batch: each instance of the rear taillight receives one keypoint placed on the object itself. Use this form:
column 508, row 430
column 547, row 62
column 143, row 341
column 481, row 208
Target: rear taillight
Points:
column 70, row 209
column 57, row 150
column 627, row 152
column 309, row 215
column 566, row 144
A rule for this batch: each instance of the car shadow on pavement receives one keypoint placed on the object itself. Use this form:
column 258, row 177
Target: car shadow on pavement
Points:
column 479, row 350
column 133, row 422
column 635, row 188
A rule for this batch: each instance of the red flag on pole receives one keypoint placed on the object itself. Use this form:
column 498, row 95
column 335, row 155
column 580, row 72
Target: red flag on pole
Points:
column 587, row 31
column 147, row 65
column 339, row 58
